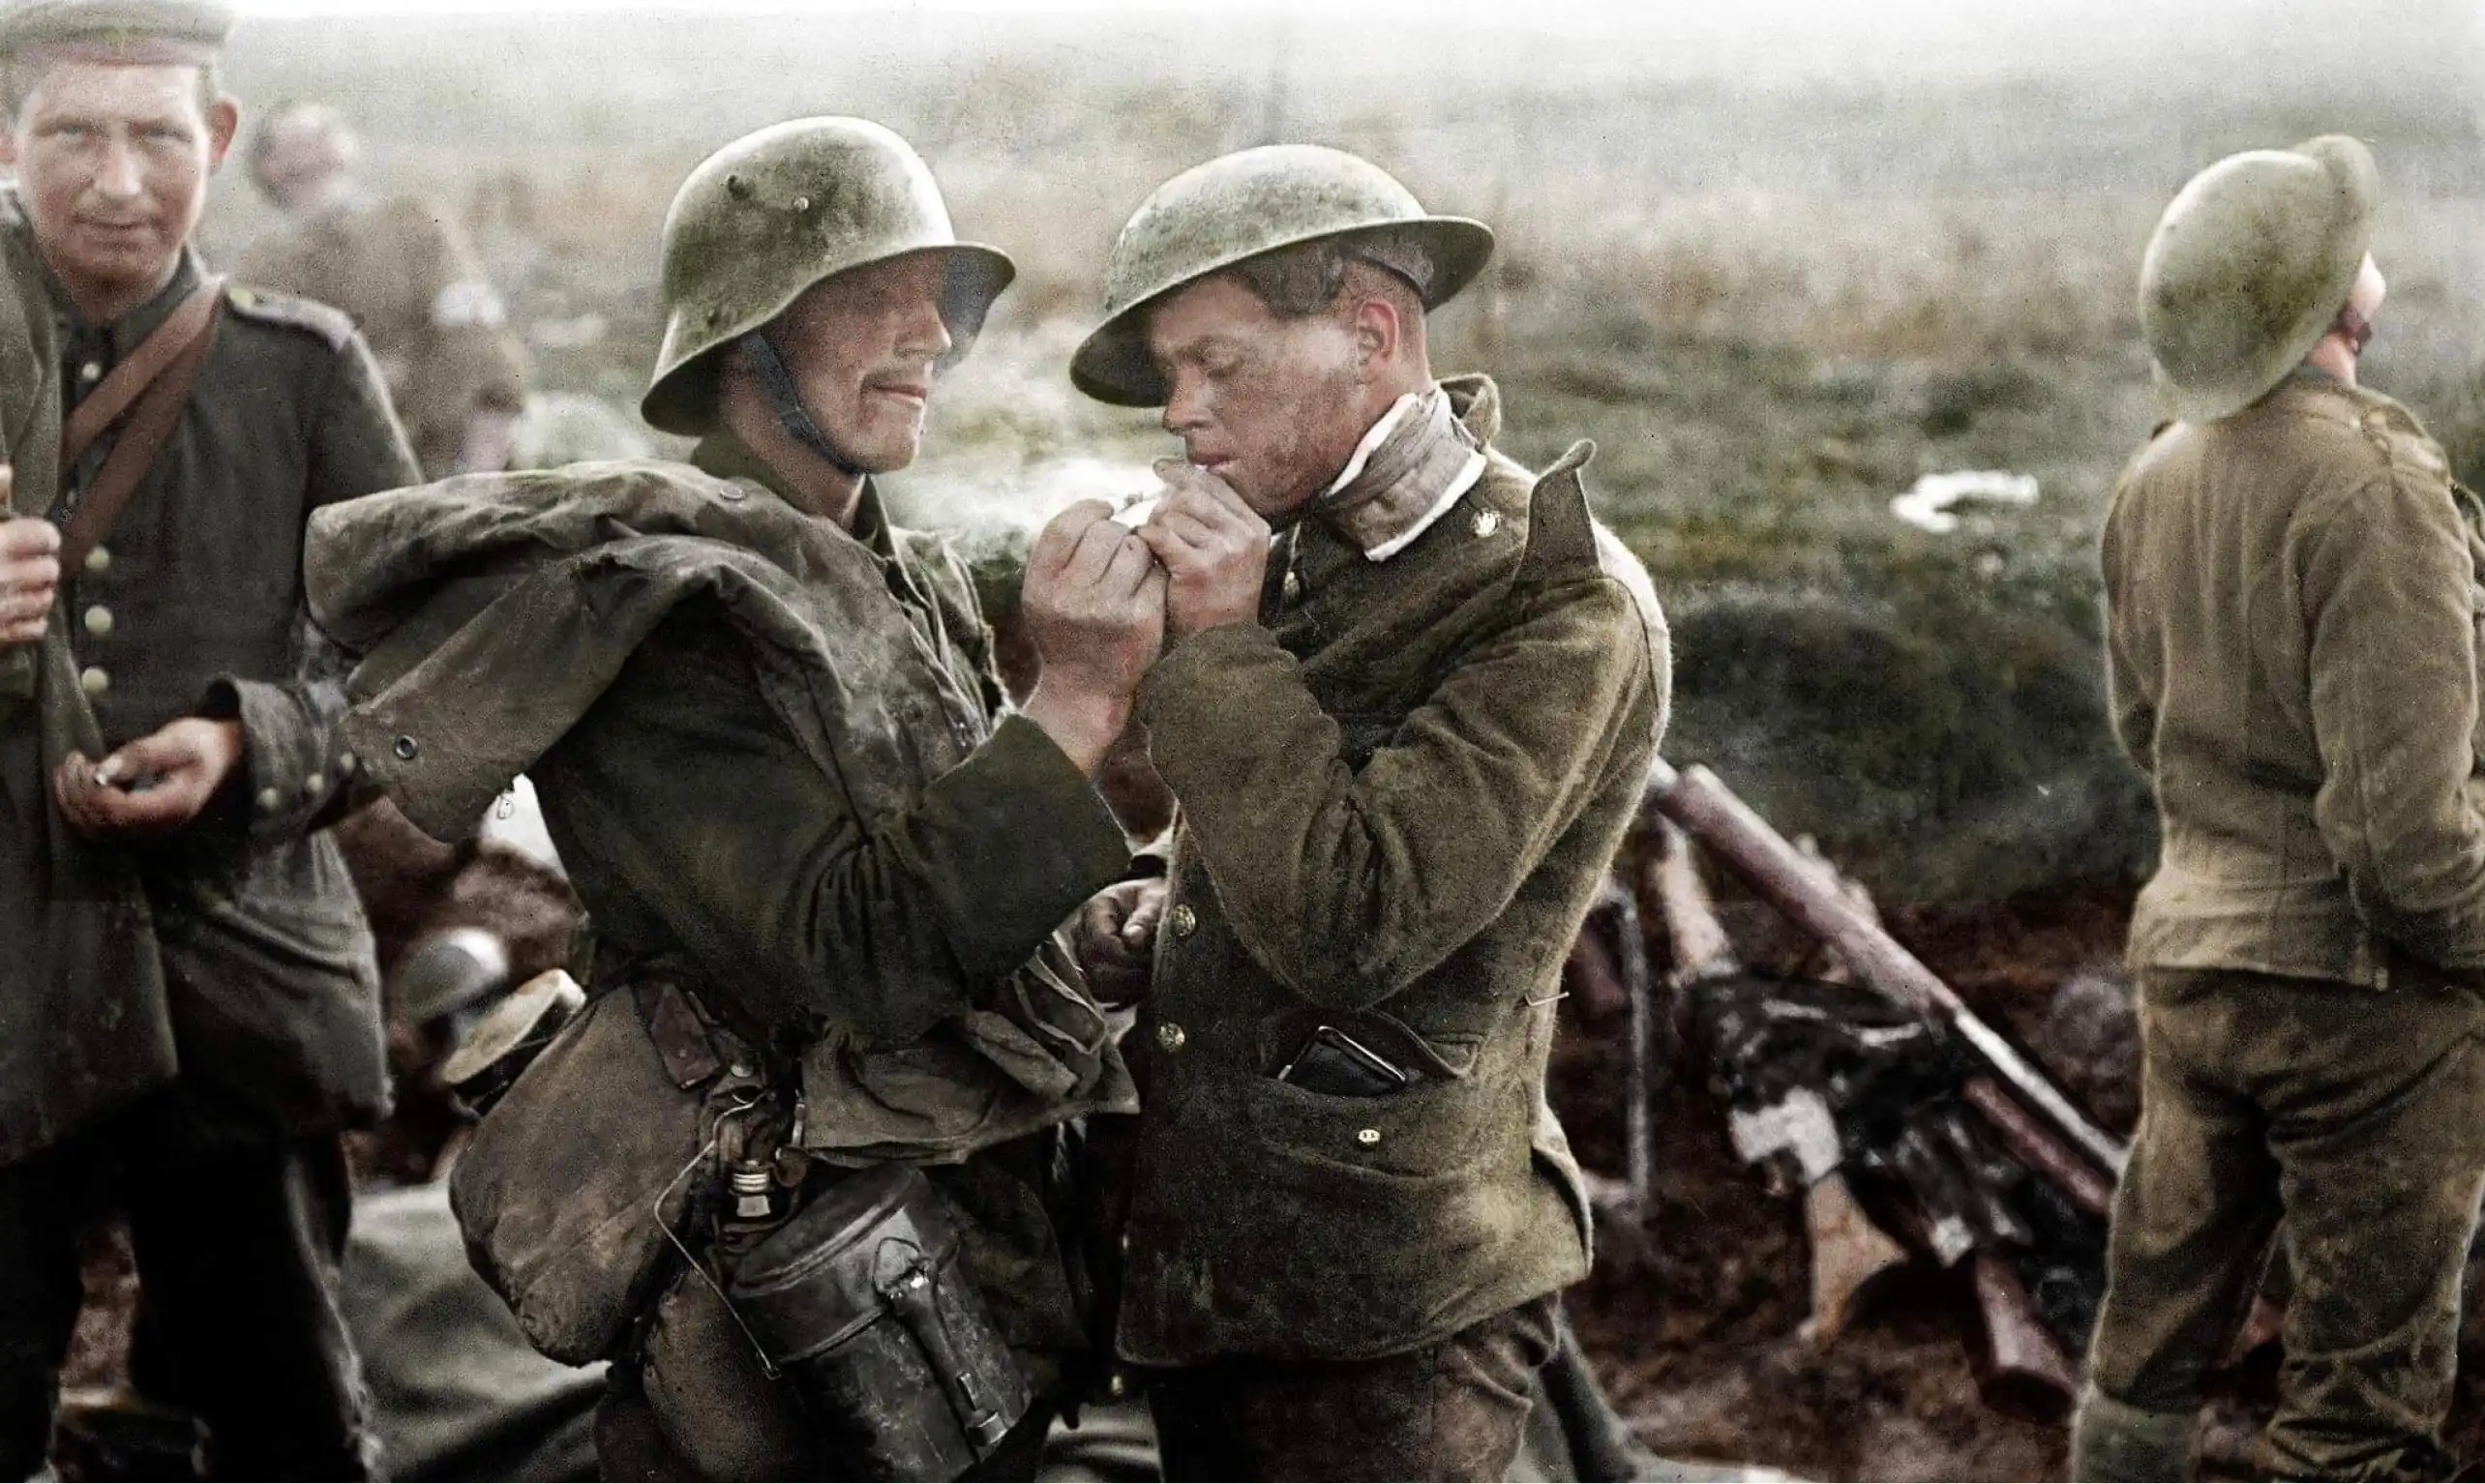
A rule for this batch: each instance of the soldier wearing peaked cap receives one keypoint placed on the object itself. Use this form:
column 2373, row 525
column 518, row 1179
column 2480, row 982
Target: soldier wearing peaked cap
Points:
column 827, row 872
column 2293, row 585
column 189, row 1012
column 1407, row 736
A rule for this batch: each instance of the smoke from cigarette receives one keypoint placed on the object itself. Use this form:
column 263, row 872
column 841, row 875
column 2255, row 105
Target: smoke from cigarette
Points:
column 1010, row 445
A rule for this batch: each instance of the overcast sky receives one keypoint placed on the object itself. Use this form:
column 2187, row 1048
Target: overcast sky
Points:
column 1755, row 37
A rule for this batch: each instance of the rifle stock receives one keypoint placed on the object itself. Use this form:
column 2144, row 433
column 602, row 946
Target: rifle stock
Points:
column 1848, row 1251
column 2023, row 1365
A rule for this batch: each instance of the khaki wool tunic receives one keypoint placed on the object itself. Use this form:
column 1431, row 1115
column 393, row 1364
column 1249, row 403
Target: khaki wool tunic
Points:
column 1398, row 792
column 2295, row 596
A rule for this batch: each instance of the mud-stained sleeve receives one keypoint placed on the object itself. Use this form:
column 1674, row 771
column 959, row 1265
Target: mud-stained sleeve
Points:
column 296, row 768
column 684, row 798
column 2388, row 584
column 1348, row 885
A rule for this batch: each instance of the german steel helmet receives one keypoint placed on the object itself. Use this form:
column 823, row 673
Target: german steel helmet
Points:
column 2249, row 268
column 775, row 212
column 1236, row 206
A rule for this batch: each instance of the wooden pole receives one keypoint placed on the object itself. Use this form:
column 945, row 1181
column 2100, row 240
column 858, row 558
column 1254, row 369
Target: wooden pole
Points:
column 1695, row 800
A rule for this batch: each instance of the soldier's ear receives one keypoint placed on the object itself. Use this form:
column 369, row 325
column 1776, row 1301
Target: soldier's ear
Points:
column 224, row 125
column 1377, row 331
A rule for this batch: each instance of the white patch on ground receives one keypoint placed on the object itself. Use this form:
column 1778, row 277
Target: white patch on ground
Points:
column 1928, row 505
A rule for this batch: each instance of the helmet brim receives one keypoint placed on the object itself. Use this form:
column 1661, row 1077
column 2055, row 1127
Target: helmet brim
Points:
column 682, row 400
column 1112, row 365
column 2347, row 241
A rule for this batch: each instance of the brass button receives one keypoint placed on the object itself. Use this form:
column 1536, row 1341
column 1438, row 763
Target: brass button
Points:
column 99, row 621
column 1487, row 522
column 95, row 680
column 1170, row 1037
column 92, row 371
column 1117, row 1386
column 1185, row 921
column 314, row 786
column 98, row 559
column 406, row 748
column 269, row 801
column 1291, row 587
column 347, row 764
column 1367, row 1137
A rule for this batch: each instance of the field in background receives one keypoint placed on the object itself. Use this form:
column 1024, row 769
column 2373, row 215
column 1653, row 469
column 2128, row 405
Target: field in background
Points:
column 1777, row 282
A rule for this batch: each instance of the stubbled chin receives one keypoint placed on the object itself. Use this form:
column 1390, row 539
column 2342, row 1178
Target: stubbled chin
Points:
column 116, row 259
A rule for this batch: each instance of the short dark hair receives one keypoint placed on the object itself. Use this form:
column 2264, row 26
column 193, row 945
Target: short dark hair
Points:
column 1307, row 279
column 21, row 75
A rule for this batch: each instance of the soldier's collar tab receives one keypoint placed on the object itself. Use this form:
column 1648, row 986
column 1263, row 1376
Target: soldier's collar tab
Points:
column 127, row 333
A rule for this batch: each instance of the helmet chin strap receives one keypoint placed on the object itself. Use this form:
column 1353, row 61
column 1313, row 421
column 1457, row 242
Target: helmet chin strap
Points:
column 784, row 399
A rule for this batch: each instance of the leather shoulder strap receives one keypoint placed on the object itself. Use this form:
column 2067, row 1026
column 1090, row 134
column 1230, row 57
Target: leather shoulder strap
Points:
column 137, row 370
column 152, row 420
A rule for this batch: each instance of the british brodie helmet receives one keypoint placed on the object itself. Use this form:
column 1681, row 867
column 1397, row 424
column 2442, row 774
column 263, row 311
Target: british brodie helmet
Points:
column 1236, row 206
column 764, row 218
column 2249, row 268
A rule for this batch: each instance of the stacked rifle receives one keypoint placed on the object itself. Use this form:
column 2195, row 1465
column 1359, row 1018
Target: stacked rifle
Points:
column 1913, row 1132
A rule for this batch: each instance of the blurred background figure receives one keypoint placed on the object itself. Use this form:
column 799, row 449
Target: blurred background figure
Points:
column 403, row 268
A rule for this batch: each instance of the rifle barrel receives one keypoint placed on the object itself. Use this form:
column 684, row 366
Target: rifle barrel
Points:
column 1695, row 799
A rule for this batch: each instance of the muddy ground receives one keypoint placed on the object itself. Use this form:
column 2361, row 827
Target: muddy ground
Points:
column 1693, row 1318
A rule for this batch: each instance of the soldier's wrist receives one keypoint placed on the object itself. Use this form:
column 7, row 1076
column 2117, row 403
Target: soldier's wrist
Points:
column 1083, row 722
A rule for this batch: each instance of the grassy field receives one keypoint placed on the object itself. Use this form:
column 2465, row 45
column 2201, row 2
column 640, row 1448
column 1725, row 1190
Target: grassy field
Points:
column 1774, row 281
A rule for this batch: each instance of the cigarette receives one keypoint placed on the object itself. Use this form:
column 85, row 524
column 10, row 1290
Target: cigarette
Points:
column 1136, row 508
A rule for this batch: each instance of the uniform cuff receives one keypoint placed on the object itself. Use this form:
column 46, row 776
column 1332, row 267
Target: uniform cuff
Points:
column 1027, row 839
column 291, row 772
column 1191, row 675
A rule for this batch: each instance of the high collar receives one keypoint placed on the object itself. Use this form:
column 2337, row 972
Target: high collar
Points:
column 117, row 339
column 1412, row 465
column 723, row 454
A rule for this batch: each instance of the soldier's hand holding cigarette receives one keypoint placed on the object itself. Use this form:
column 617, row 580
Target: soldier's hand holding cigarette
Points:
column 1213, row 547
column 155, row 786
column 1095, row 610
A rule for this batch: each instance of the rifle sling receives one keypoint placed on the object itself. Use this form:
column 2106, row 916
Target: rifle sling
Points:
column 173, row 356
column 137, row 370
